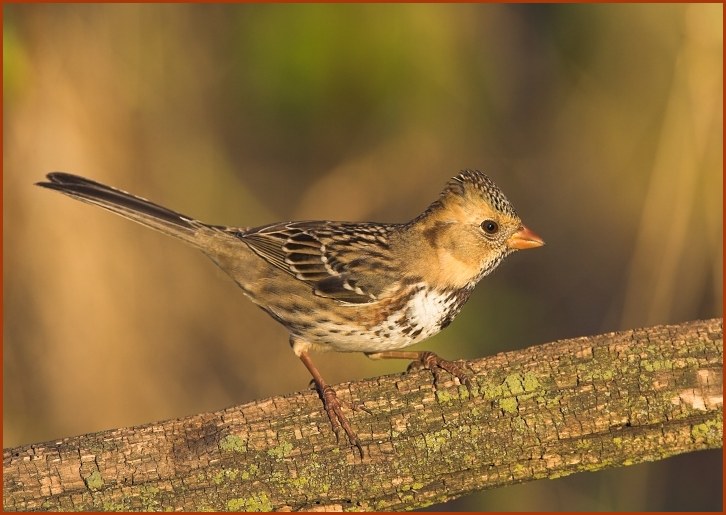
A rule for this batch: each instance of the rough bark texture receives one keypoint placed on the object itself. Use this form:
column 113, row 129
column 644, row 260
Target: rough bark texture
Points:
column 547, row 411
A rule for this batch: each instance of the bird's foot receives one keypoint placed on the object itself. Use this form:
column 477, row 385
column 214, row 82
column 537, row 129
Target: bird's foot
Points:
column 331, row 403
column 337, row 418
column 431, row 361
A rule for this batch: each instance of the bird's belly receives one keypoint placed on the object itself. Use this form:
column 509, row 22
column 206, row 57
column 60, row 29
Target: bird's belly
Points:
column 421, row 316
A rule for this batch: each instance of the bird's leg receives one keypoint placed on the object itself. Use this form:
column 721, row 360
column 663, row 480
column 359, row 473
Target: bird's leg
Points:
column 330, row 402
column 429, row 361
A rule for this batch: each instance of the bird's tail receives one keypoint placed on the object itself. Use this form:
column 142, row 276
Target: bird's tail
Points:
column 129, row 206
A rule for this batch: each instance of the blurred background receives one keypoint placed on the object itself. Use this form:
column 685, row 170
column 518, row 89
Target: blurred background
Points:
column 601, row 123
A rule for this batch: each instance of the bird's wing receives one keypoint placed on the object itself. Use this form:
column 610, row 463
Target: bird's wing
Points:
column 343, row 261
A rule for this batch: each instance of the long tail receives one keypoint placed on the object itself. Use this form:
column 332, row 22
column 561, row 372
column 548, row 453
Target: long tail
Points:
column 127, row 205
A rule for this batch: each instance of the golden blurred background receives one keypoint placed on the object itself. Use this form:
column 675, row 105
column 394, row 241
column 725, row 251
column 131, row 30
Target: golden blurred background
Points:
column 602, row 124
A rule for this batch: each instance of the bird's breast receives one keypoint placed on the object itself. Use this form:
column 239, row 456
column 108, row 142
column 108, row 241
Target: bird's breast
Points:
column 410, row 317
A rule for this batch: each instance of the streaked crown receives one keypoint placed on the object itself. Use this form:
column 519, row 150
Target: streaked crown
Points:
column 476, row 183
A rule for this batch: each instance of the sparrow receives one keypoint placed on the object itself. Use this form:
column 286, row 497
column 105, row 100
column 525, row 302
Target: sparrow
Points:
column 364, row 287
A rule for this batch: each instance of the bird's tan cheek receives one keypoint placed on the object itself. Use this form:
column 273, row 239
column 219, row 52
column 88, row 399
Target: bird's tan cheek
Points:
column 456, row 269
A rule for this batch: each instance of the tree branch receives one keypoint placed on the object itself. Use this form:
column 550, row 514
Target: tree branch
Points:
column 544, row 412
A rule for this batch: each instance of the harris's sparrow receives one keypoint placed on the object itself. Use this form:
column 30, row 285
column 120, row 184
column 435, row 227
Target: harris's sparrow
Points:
column 352, row 287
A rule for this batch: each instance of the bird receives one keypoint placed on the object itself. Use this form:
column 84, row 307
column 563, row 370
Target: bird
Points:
column 367, row 287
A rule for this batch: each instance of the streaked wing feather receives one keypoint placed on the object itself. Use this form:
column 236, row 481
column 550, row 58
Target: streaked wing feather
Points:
column 267, row 248
column 334, row 258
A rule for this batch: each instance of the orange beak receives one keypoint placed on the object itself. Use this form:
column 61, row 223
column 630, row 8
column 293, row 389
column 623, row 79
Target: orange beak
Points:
column 524, row 239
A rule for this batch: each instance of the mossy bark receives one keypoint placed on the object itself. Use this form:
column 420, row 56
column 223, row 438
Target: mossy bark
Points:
column 544, row 412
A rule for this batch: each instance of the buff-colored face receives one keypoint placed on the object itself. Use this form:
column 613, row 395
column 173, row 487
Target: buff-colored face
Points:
column 470, row 230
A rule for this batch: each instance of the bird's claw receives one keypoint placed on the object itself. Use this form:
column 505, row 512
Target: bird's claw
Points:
column 431, row 361
column 338, row 419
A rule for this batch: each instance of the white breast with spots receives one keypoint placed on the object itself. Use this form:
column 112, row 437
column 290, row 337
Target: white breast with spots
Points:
column 419, row 319
column 426, row 310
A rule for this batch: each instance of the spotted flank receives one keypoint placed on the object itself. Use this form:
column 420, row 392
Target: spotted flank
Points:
column 423, row 313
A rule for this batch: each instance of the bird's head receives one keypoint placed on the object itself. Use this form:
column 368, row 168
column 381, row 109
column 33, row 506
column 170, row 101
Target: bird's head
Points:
column 470, row 229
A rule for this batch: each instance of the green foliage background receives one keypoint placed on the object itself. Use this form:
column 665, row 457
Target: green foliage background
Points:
column 602, row 123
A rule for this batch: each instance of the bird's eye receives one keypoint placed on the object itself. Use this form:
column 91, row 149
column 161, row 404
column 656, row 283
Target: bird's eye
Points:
column 490, row 226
